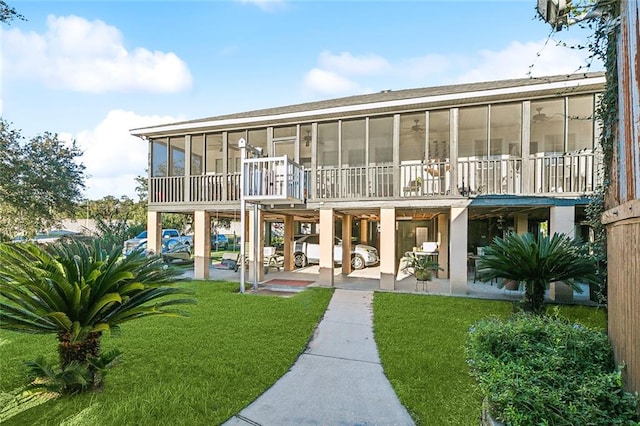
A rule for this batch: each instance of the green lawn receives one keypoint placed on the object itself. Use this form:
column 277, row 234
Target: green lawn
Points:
column 205, row 368
column 199, row 370
column 420, row 340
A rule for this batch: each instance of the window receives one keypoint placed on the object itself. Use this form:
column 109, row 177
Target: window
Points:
column 197, row 150
column 353, row 143
column 439, row 135
column 506, row 130
column 305, row 145
column 472, row 132
column 177, row 156
column 234, row 151
column 381, row 140
column 159, row 158
column 214, row 153
column 412, row 136
column 547, row 126
column 581, row 112
column 328, row 144
column 258, row 139
column 284, row 132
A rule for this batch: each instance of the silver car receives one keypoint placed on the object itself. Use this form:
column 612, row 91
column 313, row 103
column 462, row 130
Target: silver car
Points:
column 306, row 250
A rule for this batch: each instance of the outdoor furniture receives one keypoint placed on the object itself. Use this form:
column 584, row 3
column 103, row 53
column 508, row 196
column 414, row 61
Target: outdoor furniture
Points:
column 271, row 259
column 228, row 261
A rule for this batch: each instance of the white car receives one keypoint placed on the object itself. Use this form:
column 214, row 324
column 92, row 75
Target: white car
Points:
column 306, row 250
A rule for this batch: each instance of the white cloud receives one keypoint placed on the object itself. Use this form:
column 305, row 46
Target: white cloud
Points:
column 90, row 56
column 348, row 64
column 346, row 73
column 328, row 82
column 112, row 156
column 517, row 59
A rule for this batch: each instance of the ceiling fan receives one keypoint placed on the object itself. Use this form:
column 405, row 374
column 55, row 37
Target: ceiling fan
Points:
column 307, row 138
column 417, row 128
column 540, row 116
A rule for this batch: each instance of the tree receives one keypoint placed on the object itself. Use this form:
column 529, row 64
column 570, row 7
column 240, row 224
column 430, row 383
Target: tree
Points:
column 142, row 188
column 78, row 291
column 40, row 180
column 8, row 13
column 537, row 261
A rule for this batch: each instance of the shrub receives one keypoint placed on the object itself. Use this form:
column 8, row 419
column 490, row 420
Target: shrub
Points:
column 545, row 370
column 78, row 291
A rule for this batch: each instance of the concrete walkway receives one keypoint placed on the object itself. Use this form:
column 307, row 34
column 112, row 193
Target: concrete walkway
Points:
column 338, row 380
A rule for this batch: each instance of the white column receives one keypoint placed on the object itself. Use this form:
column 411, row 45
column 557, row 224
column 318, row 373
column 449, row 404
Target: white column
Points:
column 327, row 232
column 561, row 220
column 256, row 246
column 458, row 250
column 201, row 244
column 154, row 232
column 388, row 248
column 443, row 246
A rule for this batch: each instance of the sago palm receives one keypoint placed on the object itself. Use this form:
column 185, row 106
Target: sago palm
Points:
column 78, row 291
column 537, row 261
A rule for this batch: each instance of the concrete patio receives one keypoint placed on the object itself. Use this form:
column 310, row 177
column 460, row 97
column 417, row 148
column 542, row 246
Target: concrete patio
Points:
column 368, row 279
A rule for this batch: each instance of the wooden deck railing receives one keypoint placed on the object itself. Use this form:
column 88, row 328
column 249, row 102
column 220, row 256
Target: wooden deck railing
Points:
column 280, row 178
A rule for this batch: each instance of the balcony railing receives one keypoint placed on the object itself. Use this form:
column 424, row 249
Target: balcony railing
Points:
column 272, row 179
column 490, row 176
column 574, row 172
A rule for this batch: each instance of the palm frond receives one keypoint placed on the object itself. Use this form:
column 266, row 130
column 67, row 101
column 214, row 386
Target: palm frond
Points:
column 52, row 288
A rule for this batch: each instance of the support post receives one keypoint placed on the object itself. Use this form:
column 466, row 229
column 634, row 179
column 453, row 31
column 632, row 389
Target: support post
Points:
column 522, row 223
column 443, row 246
column 288, row 243
column 154, row 232
column 364, row 231
column 201, row 244
column 346, row 244
column 458, row 251
column 327, row 233
column 388, row 249
column 561, row 220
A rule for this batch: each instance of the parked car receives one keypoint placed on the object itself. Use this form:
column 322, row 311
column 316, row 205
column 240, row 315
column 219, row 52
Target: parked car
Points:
column 173, row 250
column 306, row 250
column 219, row 242
column 134, row 242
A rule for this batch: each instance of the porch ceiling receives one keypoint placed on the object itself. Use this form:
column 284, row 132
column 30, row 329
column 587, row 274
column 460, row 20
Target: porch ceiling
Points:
column 533, row 212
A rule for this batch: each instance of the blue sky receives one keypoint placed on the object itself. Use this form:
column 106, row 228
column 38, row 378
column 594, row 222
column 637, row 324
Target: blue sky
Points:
column 91, row 70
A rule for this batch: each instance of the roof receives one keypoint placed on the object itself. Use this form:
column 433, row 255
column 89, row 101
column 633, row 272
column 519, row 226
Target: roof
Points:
column 381, row 101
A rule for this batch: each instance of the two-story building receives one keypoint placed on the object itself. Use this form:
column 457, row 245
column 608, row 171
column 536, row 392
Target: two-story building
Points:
column 455, row 165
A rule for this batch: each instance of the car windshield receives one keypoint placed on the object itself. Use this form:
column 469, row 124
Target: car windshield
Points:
column 143, row 234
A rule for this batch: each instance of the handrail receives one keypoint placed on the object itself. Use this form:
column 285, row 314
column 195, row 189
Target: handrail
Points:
column 280, row 178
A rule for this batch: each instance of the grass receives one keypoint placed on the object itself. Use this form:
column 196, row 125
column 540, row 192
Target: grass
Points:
column 199, row 370
column 421, row 344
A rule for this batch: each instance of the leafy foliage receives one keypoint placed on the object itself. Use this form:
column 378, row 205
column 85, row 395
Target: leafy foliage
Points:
column 77, row 290
column 40, row 179
column 538, row 261
column 547, row 370
column 8, row 13
column 73, row 377
column 422, row 266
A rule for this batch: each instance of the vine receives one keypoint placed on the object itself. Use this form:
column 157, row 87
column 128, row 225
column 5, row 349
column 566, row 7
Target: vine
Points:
column 601, row 17
column 603, row 46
